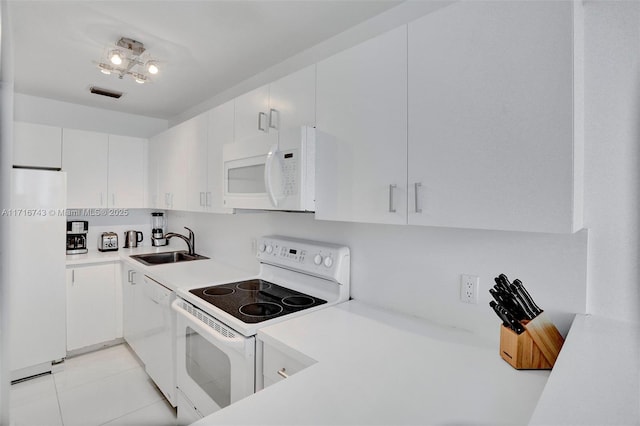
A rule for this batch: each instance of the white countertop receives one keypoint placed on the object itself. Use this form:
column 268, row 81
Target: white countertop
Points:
column 195, row 273
column 596, row 379
column 375, row 367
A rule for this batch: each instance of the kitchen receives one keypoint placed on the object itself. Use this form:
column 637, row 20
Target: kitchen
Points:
column 590, row 271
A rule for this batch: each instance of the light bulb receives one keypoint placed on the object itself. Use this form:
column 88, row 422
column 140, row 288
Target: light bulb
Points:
column 105, row 71
column 140, row 80
column 152, row 68
column 115, row 57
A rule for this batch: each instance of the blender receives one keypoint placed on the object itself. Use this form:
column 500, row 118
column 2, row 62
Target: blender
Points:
column 158, row 228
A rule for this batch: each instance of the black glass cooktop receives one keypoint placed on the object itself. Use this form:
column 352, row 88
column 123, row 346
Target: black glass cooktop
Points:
column 256, row 300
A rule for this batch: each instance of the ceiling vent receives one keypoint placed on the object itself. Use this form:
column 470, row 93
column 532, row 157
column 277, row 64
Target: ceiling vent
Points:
column 105, row 92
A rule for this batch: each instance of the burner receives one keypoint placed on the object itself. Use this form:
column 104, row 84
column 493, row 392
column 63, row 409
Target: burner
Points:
column 218, row 291
column 261, row 309
column 254, row 285
column 298, row 301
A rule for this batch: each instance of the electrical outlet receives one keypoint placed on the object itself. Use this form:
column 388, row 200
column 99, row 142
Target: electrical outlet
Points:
column 469, row 288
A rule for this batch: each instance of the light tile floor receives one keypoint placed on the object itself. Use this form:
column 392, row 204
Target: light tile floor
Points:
column 106, row 387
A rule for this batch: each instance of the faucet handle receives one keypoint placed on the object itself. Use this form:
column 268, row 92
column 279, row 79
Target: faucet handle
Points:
column 192, row 241
column 190, row 232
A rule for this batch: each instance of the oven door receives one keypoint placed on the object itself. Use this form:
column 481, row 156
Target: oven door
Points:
column 216, row 365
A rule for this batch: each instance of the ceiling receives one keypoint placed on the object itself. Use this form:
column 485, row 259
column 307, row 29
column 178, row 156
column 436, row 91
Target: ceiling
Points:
column 204, row 47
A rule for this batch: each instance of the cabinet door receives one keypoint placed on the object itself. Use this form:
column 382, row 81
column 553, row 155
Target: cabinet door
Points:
column 132, row 316
column 154, row 199
column 490, row 116
column 193, row 137
column 292, row 101
column 36, row 145
column 127, row 171
column 172, row 169
column 252, row 116
column 220, row 133
column 362, row 132
column 84, row 158
column 91, row 305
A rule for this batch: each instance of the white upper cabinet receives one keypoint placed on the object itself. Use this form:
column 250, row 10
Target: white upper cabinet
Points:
column 362, row 132
column 491, row 117
column 37, row 145
column 193, row 138
column 104, row 170
column 472, row 119
column 153, row 171
column 292, row 104
column 275, row 112
column 170, row 165
column 127, row 171
column 220, row 132
column 84, row 158
column 252, row 116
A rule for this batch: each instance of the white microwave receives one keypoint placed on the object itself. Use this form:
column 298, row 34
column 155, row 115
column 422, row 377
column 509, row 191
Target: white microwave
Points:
column 263, row 177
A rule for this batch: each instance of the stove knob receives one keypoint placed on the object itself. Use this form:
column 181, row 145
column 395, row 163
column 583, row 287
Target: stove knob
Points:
column 269, row 249
column 262, row 247
column 328, row 262
column 317, row 259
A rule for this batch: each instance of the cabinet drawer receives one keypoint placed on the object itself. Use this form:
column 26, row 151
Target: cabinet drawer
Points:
column 277, row 365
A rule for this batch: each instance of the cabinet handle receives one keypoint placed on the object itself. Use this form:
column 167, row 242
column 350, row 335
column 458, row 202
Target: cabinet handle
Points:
column 273, row 123
column 282, row 373
column 416, row 187
column 133, row 281
column 202, row 202
column 260, row 115
column 208, row 199
column 73, row 277
column 391, row 188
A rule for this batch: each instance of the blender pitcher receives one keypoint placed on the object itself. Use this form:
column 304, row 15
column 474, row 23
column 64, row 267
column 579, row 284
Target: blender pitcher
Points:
column 158, row 229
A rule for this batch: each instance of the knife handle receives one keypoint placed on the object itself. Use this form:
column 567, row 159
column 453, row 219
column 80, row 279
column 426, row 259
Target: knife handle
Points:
column 521, row 286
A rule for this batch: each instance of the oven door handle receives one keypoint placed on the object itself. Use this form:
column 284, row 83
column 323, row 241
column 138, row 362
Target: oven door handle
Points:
column 237, row 342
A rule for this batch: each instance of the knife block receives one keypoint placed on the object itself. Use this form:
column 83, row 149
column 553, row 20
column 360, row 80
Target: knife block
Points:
column 537, row 348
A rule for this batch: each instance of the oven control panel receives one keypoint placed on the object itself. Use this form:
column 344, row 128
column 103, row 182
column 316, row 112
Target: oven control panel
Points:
column 322, row 259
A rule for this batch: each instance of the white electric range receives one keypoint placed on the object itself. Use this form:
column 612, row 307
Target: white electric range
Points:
column 217, row 323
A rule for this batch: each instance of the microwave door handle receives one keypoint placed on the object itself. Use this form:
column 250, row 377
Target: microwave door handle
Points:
column 267, row 174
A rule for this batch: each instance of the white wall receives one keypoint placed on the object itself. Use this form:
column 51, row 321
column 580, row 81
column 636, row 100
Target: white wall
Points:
column 34, row 109
column 612, row 157
column 416, row 270
column 6, row 157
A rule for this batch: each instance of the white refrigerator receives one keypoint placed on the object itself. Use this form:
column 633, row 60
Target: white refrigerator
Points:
column 37, row 310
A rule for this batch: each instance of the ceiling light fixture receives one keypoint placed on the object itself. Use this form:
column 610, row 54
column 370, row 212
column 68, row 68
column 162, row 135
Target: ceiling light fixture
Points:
column 129, row 57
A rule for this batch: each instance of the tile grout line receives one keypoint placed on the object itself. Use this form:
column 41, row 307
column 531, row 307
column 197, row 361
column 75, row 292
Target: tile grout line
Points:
column 131, row 412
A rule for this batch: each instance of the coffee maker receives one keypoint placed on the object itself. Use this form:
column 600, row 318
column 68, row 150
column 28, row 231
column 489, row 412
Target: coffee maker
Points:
column 158, row 229
column 77, row 236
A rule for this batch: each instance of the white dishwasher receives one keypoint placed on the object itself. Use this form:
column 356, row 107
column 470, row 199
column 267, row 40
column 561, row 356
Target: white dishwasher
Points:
column 150, row 328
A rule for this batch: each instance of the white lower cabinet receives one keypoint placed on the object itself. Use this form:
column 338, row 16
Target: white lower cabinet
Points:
column 150, row 327
column 278, row 363
column 92, row 305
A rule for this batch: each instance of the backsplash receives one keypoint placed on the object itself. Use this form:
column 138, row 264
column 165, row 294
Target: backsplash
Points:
column 416, row 270
column 136, row 219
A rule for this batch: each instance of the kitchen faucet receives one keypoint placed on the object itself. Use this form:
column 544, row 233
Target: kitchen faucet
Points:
column 191, row 240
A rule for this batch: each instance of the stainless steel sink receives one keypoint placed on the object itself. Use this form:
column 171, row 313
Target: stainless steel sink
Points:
column 151, row 259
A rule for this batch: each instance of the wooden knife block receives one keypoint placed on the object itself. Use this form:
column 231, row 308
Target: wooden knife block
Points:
column 537, row 348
